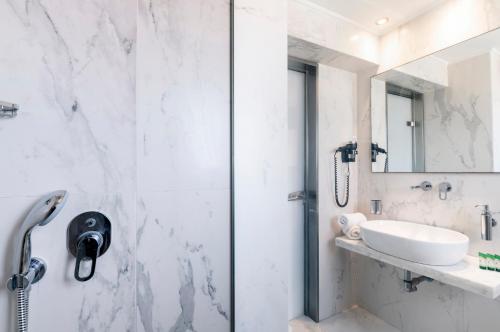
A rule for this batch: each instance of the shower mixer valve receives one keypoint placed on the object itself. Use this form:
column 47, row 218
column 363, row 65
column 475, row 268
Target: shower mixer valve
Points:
column 89, row 237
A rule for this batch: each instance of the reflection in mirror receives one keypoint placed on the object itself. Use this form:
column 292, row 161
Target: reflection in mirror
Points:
column 440, row 113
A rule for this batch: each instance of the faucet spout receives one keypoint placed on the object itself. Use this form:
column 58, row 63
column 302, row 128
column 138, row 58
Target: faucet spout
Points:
column 487, row 222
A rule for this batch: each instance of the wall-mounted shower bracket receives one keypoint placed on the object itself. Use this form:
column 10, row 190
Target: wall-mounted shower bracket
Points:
column 410, row 283
column 8, row 110
column 35, row 273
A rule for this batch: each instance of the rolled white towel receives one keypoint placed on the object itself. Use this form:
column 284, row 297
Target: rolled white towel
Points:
column 349, row 222
column 353, row 233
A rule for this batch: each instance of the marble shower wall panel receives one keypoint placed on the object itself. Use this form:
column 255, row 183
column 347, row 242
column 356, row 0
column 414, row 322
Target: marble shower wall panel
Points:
column 183, row 119
column 183, row 261
column 71, row 67
column 183, row 95
column 74, row 78
column 103, row 304
column 336, row 126
column 261, row 133
column 378, row 286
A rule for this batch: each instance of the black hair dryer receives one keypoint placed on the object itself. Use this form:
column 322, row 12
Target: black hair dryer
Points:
column 89, row 237
column 348, row 154
column 376, row 149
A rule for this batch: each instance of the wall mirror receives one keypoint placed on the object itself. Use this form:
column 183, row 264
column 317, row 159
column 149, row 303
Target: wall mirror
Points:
column 440, row 113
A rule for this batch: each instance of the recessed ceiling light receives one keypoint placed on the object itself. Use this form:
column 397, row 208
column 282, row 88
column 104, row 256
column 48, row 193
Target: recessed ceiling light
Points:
column 382, row 21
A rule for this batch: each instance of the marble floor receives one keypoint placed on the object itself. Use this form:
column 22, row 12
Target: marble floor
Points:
column 355, row 319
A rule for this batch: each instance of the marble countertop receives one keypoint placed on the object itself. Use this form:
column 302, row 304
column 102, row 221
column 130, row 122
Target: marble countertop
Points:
column 466, row 274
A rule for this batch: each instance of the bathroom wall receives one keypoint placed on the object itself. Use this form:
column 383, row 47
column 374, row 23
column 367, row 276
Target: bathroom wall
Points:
column 74, row 78
column 340, row 47
column 435, row 307
column 447, row 24
column 458, row 119
column 125, row 104
column 183, row 158
column 322, row 36
column 260, row 170
column 495, row 83
column 336, row 126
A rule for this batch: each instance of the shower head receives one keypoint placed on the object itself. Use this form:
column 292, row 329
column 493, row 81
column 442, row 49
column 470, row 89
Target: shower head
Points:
column 44, row 210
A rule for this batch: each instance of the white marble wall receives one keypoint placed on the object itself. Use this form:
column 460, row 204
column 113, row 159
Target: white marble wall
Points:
column 74, row 78
column 260, row 127
column 183, row 137
column 495, row 93
column 458, row 119
column 448, row 24
column 126, row 105
column 434, row 307
column 321, row 36
column 378, row 116
column 314, row 24
column 336, row 126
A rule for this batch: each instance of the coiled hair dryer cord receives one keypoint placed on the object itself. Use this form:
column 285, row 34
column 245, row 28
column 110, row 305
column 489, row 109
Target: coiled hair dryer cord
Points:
column 344, row 204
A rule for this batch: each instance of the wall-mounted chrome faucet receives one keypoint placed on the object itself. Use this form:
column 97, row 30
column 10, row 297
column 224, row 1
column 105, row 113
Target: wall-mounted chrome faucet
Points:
column 8, row 110
column 424, row 185
column 444, row 189
column 376, row 206
column 29, row 270
column 487, row 222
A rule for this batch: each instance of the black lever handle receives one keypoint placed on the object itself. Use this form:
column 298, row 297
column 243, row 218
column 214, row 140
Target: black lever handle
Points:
column 88, row 248
column 89, row 237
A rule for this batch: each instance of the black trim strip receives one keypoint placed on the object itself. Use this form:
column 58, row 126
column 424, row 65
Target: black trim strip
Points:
column 231, row 171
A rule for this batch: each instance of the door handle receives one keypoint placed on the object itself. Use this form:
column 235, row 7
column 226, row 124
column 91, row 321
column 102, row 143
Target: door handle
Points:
column 296, row 196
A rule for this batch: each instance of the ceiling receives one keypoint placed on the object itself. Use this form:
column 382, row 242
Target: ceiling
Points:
column 366, row 12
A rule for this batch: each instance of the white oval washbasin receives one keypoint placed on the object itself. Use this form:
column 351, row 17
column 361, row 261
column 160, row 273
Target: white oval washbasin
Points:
column 415, row 242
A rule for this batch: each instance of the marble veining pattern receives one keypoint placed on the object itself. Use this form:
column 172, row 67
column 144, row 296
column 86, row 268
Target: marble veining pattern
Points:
column 182, row 286
column 459, row 119
column 183, row 166
column 119, row 128
column 50, row 66
column 73, row 76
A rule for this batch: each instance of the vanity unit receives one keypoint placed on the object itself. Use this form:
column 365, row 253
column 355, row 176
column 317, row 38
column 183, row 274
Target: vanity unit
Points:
column 433, row 252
